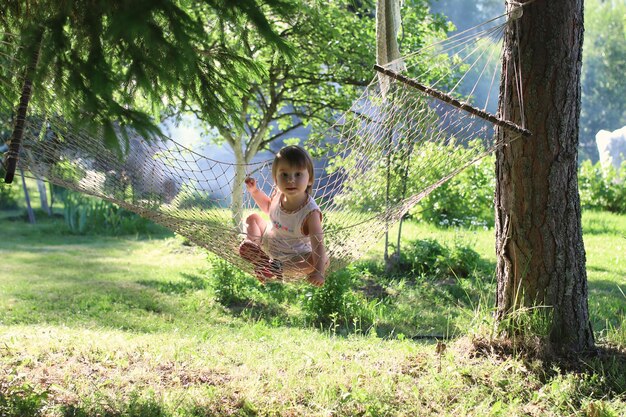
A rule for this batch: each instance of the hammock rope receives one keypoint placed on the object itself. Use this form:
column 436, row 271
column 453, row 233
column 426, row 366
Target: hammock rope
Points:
column 439, row 133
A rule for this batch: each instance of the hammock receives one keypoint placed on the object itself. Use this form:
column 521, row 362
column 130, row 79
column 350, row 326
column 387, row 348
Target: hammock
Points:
column 426, row 125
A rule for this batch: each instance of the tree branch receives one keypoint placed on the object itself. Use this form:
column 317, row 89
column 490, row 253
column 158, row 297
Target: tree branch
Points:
column 278, row 135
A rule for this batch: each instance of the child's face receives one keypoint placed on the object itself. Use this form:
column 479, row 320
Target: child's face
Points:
column 292, row 180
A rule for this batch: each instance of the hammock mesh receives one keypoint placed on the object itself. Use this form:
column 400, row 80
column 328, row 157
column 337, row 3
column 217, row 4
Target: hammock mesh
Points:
column 401, row 136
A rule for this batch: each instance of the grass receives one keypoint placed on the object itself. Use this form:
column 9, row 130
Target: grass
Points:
column 604, row 235
column 132, row 326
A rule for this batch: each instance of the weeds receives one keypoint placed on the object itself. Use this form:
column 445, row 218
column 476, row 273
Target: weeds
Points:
column 432, row 260
column 85, row 214
column 232, row 286
column 8, row 196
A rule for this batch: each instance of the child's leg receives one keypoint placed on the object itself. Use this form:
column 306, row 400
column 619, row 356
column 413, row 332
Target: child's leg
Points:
column 255, row 226
column 264, row 267
column 251, row 251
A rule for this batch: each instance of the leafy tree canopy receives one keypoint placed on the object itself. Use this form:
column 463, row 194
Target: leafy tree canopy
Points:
column 334, row 52
column 122, row 61
column 604, row 60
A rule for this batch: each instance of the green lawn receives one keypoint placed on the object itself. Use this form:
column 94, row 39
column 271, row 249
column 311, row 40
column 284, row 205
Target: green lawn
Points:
column 133, row 326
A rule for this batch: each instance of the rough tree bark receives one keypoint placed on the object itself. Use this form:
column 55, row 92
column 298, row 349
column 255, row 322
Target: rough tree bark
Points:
column 541, row 256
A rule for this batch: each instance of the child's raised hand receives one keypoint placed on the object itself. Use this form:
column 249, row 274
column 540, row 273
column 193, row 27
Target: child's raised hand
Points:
column 316, row 278
column 250, row 184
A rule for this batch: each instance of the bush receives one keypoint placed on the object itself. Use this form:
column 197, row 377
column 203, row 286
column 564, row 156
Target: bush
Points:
column 336, row 301
column 8, row 199
column 196, row 199
column 68, row 171
column 429, row 258
column 231, row 284
column 465, row 200
column 602, row 189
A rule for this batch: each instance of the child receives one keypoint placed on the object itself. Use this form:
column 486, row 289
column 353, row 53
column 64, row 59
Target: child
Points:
column 293, row 238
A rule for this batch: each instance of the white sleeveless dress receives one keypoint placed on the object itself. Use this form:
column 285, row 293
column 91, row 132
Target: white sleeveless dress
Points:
column 283, row 238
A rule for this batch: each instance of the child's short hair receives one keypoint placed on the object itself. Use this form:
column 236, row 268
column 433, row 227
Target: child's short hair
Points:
column 295, row 156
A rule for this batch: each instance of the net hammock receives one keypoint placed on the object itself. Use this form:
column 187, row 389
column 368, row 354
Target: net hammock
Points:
column 393, row 147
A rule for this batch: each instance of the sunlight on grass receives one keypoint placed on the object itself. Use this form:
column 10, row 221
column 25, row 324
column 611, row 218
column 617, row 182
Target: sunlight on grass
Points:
column 93, row 325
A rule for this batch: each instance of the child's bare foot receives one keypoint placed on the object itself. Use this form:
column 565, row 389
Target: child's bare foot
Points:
column 264, row 267
column 272, row 269
column 276, row 268
column 261, row 274
column 316, row 278
column 252, row 252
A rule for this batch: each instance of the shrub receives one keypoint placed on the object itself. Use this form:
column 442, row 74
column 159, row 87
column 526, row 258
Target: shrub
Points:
column 84, row 214
column 602, row 189
column 336, row 301
column 196, row 199
column 429, row 258
column 231, row 284
column 68, row 171
column 465, row 200
column 8, row 199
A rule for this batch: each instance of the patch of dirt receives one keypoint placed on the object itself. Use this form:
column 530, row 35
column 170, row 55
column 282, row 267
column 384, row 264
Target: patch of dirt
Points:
column 61, row 374
column 372, row 289
column 172, row 374
column 416, row 365
column 530, row 348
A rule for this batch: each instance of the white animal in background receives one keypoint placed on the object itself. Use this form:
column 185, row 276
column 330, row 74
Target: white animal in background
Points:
column 611, row 147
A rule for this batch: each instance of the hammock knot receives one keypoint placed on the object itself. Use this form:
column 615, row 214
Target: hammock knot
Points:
column 10, row 154
column 515, row 10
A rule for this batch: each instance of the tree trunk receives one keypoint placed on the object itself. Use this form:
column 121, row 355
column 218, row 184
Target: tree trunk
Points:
column 237, row 192
column 541, row 257
column 20, row 120
column 29, row 207
column 387, row 50
column 43, row 196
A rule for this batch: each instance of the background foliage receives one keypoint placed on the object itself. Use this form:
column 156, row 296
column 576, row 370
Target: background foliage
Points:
column 604, row 64
column 602, row 189
column 604, row 60
column 105, row 58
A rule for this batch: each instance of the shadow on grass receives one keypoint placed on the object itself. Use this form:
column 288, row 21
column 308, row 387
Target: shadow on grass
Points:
column 26, row 400
column 52, row 230
column 93, row 303
column 608, row 287
column 609, row 295
column 192, row 282
column 255, row 310
column 604, row 360
column 599, row 269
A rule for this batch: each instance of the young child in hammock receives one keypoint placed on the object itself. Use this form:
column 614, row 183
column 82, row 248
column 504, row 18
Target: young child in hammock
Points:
column 293, row 239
